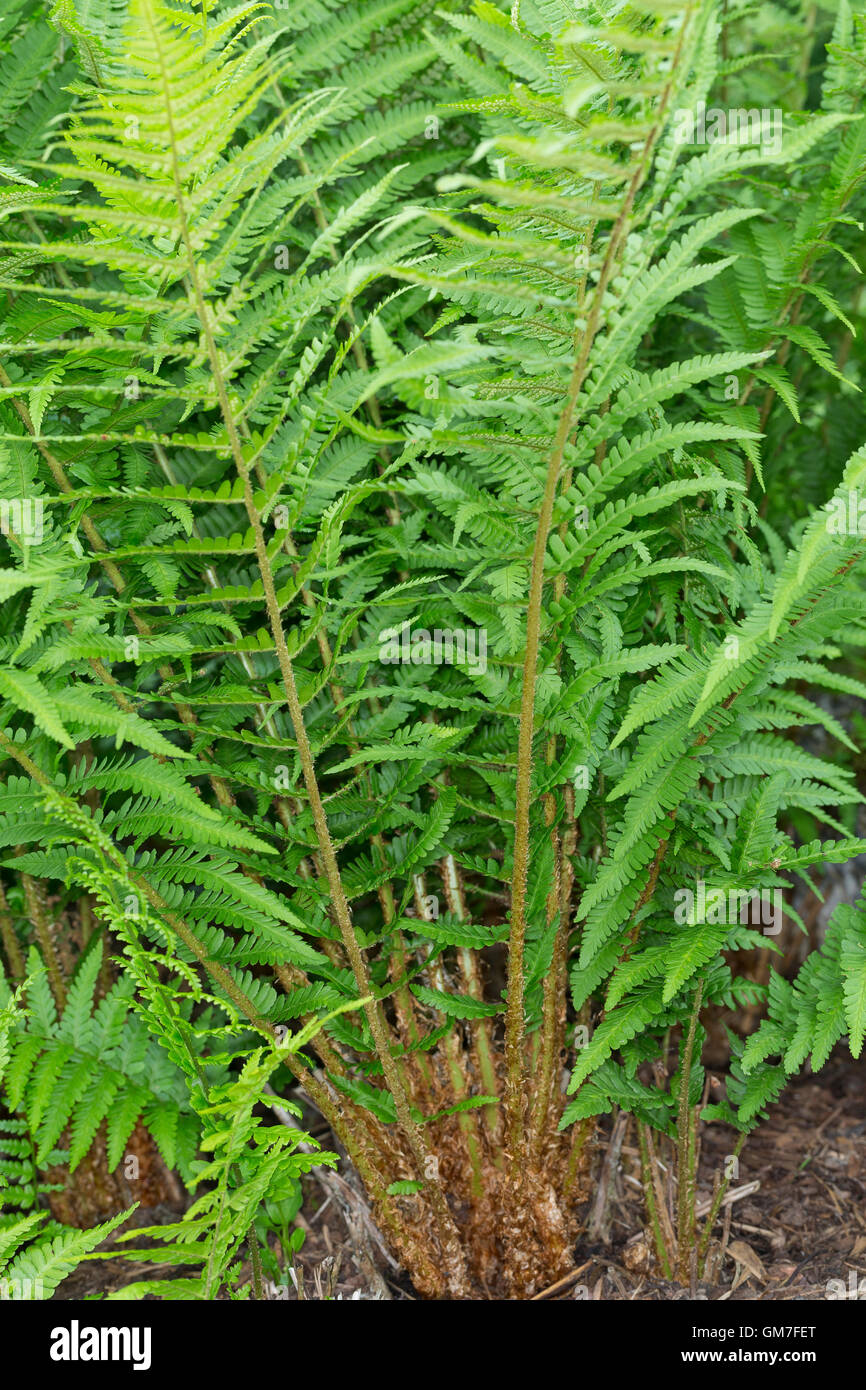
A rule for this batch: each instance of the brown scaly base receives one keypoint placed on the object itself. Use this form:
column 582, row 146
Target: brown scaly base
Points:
column 92, row 1194
column 516, row 1239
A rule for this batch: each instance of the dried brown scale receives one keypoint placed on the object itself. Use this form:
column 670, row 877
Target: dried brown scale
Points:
column 92, row 1193
column 514, row 1244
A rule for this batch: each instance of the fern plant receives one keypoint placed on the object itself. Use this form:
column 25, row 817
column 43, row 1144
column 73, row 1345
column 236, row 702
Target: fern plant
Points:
column 34, row 1258
column 406, row 630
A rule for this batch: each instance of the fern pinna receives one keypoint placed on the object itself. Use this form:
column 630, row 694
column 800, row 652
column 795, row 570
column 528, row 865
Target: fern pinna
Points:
column 406, row 632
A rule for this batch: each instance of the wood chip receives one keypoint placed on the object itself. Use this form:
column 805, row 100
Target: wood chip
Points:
column 744, row 1255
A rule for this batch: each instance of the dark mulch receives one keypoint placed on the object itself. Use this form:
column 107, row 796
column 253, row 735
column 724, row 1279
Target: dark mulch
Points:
column 804, row 1225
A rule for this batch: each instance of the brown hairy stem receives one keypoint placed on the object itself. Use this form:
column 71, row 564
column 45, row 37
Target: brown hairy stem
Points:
column 448, row 1235
column 515, row 1028
column 14, row 956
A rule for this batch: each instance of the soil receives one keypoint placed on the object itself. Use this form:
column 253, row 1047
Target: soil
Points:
column 804, row 1225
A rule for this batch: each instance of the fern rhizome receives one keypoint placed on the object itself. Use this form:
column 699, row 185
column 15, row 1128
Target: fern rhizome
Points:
column 431, row 472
